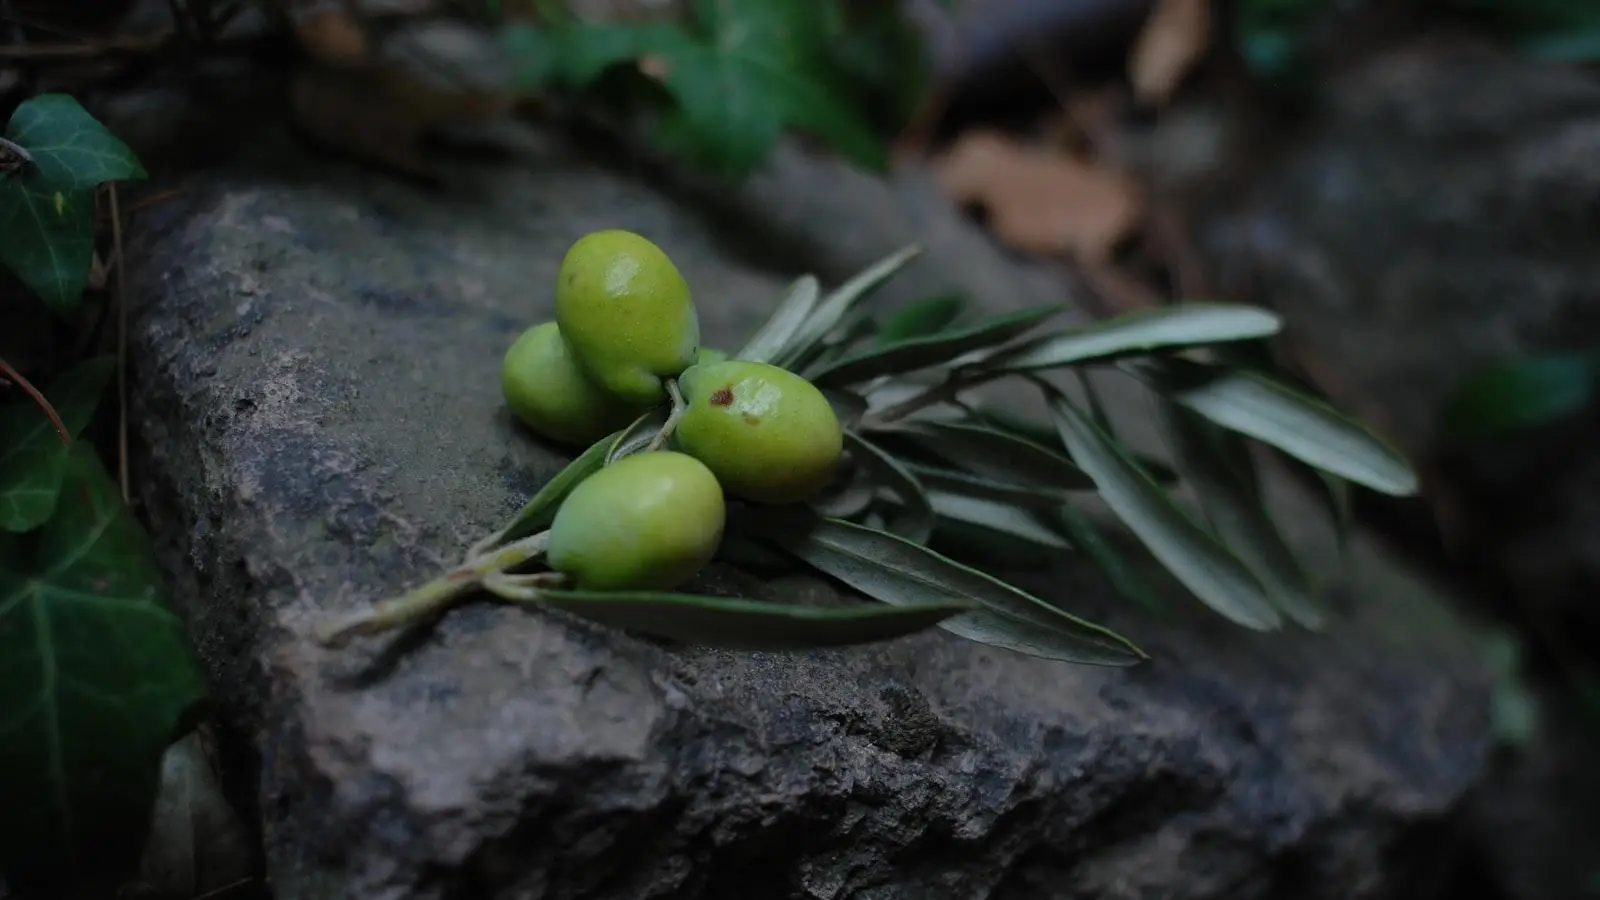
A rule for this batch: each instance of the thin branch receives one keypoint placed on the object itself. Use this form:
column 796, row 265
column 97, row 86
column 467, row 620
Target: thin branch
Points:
column 122, row 345
column 50, row 411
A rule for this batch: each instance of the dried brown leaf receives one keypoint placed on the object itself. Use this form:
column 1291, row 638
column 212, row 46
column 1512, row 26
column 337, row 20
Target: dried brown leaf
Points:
column 1040, row 202
column 1174, row 38
column 331, row 35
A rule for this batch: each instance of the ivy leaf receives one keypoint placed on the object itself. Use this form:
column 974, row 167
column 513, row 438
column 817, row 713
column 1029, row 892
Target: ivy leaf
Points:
column 1194, row 557
column 1516, row 396
column 49, row 238
column 95, row 675
column 743, row 72
column 750, row 624
column 71, row 149
column 33, row 460
column 893, row 570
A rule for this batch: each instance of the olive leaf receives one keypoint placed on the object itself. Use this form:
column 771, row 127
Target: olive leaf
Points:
column 1217, row 465
column 1195, row 558
column 1179, row 325
column 1047, row 435
column 850, row 496
column 33, row 460
column 639, row 435
column 915, row 521
column 1124, row 578
column 995, row 454
column 833, row 309
column 895, row 571
column 539, row 512
column 1273, row 413
column 784, row 323
column 921, row 352
column 998, row 517
column 955, row 481
column 750, row 624
column 921, row 318
column 848, row 406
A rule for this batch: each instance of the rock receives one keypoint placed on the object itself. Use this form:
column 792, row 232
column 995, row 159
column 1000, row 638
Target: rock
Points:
column 1420, row 229
column 1435, row 217
column 313, row 352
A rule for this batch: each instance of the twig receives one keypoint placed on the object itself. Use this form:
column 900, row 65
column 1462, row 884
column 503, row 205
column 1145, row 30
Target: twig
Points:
column 122, row 345
column 50, row 411
column 110, row 46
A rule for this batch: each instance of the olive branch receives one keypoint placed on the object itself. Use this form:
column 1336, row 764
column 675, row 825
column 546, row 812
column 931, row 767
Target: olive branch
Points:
column 923, row 458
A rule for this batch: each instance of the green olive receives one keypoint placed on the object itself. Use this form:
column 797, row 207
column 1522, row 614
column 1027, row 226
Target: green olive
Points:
column 646, row 522
column 627, row 313
column 709, row 355
column 768, row 434
column 547, row 391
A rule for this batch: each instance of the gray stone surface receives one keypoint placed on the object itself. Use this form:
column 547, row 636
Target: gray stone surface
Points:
column 1440, row 216
column 318, row 422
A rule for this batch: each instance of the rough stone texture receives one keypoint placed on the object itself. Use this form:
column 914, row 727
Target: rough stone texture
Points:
column 1438, row 216
column 313, row 350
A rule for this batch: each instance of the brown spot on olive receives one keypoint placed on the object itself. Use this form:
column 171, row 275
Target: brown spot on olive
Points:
column 572, row 278
column 722, row 396
column 751, row 419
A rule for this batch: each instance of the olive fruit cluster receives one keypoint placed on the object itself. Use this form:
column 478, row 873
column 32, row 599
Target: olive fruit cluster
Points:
column 625, row 340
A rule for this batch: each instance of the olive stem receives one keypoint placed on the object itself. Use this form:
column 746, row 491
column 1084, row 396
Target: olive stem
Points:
column 433, row 596
column 521, row 588
column 679, row 405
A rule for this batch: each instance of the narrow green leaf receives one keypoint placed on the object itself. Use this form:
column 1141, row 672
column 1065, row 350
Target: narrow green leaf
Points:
column 833, row 309
column 956, row 481
column 95, row 675
column 750, row 624
column 71, row 149
column 1002, row 518
column 996, row 454
column 1515, row 396
column 32, row 458
column 1299, row 425
column 915, row 353
column 1124, row 578
column 1097, row 407
column 1217, row 465
column 49, row 239
column 1046, row 434
column 786, row 321
column 1204, row 566
column 1179, row 325
column 893, row 570
column 639, row 434
column 921, row 318
column 541, row 510
column 848, row 406
column 915, row 520
column 849, row 497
